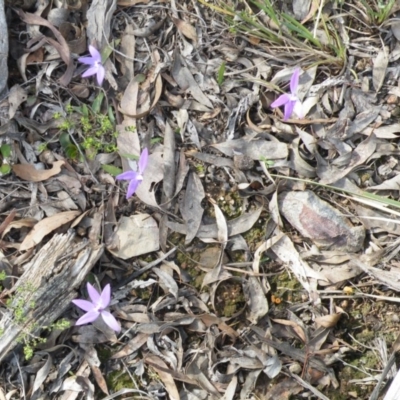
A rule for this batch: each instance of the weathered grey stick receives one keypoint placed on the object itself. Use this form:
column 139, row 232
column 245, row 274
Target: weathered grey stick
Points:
column 3, row 51
column 45, row 289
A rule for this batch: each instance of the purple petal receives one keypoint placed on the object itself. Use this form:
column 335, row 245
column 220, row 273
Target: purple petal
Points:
column 95, row 53
column 288, row 110
column 83, row 304
column 88, row 317
column 100, row 74
column 280, row 101
column 133, row 184
column 110, row 321
column 294, row 81
column 86, row 60
column 91, row 71
column 93, row 294
column 105, row 296
column 144, row 157
column 128, row 175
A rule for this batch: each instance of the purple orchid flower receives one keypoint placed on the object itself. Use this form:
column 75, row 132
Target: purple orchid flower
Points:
column 96, row 307
column 291, row 101
column 96, row 67
column 135, row 177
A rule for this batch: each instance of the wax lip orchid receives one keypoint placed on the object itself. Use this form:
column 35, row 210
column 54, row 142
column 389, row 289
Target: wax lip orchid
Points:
column 96, row 67
column 135, row 177
column 96, row 307
column 290, row 101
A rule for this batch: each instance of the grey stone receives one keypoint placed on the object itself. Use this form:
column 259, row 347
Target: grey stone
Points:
column 319, row 221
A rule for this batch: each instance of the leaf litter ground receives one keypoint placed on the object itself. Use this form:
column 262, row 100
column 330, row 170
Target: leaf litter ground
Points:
column 258, row 256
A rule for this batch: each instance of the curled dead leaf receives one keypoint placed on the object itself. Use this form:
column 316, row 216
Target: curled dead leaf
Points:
column 157, row 94
column 60, row 44
column 29, row 173
column 328, row 321
column 187, row 29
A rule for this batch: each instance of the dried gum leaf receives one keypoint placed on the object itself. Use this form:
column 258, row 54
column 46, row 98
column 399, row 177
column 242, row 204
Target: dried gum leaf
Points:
column 186, row 29
column 46, row 226
column 28, row 172
column 328, row 321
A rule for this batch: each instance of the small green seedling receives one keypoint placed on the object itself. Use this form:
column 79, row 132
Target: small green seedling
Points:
column 5, row 151
column 268, row 163
column 379, row 11
column 221, row 74
column 96, row 130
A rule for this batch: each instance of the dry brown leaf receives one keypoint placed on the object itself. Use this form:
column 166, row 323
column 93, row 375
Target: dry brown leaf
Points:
column 184, row 78
column 157, row 94
column 25, row 222
column 17, row 96
column 45, row 226
column 165, row 377
column 28, row 172
column 313, row 9
column 381, row 62
column 153, row 174
column 75, row 36
column 296, row 327
column 328, row 321
column 186, row 29
column 210, row 320
column 8, row 220
column 133, row 345
column 191, row 210
column 60, row 45
column 129, row 98
column 128, row 43
column 99, row 17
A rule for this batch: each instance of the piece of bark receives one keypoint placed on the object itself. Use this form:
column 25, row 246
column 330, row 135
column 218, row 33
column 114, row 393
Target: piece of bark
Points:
column 46, row 288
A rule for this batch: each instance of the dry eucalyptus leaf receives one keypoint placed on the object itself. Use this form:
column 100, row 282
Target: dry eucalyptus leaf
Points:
column 187, row 29
column 59, row 44
column 133, row 345
column 359, row 156
column 287, row 253
column 192, row 211
column 93, row 360
column 255, row 149
column 42, row 374
column 186, row 82
column 153, row 174
column 161, row 368
column 169, row 162
column 167, row 282
column 28, row 172
column 380, row 65
column 221, row 225
column 16, row 96
column 99, row 18
column 129, row 98
column 46, row 226
column 136, row 235
column 328, row 321
column 142, row 112
column 256, row 300
column 22, row 223
column 128, row 42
